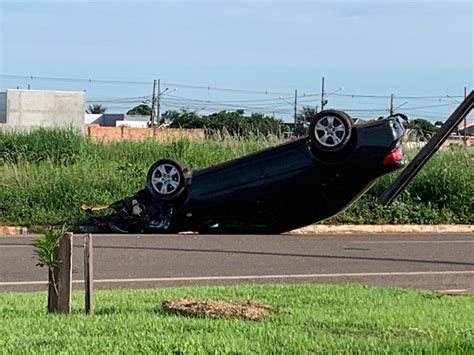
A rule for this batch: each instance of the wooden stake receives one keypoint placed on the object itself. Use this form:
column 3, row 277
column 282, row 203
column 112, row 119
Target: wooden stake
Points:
column 65, row 273
column 88, row 274
column 60, row 278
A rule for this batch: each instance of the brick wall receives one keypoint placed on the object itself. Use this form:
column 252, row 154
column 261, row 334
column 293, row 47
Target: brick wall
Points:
column 96, row 133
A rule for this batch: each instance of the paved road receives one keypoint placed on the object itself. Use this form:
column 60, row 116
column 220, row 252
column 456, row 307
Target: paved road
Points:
column 437, row 262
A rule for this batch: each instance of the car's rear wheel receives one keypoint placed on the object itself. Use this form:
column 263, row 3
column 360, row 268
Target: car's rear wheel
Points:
column 330, row 130
column 165, row 179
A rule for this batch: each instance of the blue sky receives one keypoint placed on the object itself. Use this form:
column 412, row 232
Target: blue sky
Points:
column 409, row 48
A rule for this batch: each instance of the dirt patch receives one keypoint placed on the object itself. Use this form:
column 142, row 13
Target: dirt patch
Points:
column 457, row 292
column 188, row 306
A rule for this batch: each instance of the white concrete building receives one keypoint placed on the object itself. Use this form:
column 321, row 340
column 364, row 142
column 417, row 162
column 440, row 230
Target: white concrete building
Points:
column 26, row 109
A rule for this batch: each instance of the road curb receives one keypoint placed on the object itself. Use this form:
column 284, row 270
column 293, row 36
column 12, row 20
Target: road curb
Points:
column 330, row 229
column 13, row 230
column 386, row 228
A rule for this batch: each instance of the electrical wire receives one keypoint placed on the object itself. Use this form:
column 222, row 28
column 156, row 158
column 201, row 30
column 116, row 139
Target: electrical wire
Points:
column 209, row 88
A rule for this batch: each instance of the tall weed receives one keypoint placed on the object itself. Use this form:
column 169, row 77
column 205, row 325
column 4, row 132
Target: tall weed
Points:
column 47, row 174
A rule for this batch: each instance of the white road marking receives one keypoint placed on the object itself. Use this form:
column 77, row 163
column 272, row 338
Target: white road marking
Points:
column 16, row 246
column 416, row 242
column 360, row 242
column 252, row 277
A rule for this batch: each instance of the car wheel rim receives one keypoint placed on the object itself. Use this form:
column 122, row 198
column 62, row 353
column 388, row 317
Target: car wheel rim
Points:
column 330, row 131
column 166, row 179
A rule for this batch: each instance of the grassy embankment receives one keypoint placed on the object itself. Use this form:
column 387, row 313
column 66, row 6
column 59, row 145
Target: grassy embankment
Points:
column 308, row 319
column 46, row 175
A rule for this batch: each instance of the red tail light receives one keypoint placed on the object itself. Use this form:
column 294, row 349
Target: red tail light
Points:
column 394, row 157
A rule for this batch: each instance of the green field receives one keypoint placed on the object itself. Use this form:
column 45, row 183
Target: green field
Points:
column 308, row 319
column 46, row 175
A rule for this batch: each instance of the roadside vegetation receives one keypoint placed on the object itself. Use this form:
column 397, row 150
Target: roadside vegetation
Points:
column 46, row 175
column 306, row 319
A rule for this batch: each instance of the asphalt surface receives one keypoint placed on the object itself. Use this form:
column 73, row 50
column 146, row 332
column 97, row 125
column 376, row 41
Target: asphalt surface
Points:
column 436, row 262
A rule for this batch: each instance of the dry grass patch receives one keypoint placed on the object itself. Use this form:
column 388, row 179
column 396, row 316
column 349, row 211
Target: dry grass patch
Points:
column 188, row 306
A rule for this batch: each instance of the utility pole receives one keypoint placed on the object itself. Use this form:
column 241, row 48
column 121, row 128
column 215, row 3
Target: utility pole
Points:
column 158, row 102
column 152, row 118
column 391, row 104
column 322, row 94
column 296, row 107
column 465, row 119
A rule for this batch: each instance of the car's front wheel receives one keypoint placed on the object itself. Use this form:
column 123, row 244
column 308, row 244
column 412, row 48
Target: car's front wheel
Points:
column 165, row 179
column 330, row 130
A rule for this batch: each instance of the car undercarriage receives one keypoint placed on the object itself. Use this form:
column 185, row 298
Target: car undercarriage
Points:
column 297, row 183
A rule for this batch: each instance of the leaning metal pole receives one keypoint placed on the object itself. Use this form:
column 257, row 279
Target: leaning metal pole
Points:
column 427, row 151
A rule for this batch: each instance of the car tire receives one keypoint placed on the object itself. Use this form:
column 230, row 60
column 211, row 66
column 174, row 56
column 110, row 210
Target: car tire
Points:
column 330, row 131
column 165, row 179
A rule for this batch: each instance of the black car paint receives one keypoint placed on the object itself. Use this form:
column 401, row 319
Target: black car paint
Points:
column 272, row 191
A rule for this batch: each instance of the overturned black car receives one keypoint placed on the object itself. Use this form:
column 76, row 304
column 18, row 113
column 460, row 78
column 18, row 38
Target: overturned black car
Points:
column 272, row 191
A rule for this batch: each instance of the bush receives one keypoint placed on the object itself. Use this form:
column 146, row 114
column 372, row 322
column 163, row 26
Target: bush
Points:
column 234, row 123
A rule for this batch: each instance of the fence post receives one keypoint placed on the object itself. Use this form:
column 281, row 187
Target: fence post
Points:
column 65, row 273
column 88, row 274
column 60, row 278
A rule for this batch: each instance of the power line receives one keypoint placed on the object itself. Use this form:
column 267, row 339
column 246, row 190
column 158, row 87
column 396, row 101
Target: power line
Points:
column 232, row 104
column 209, row 88
column 212, row 88
column 106, row 81
column 428, row 106
column 395, row 96
column 82, row 80
column 217, row 109
column 120, row 99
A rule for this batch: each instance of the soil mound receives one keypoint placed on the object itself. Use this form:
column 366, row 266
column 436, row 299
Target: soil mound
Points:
column 188, row 306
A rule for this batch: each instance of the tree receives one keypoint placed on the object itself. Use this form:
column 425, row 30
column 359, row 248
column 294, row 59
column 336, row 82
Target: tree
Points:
column 229, row 122
column 306, row 113
column 237, row 124
column 170, row 117
column 185, row 119
column 96, row 108
column 421, row 129
column 143, row 110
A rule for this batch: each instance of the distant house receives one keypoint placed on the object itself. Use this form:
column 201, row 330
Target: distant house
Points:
column 26, row 109
column 469, row 128
column 117, row 120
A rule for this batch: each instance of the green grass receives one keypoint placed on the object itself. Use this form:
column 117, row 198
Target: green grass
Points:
column 309, row 319
column 49, row 189
column 46, row 175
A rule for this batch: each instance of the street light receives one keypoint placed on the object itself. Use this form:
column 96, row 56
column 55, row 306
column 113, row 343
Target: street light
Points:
column 283, row 99
column 159, row 101
column 165, row 90
column 156, row 100
column 324, row 96
column 295, row 106
column 396, row 108
column 337, row 90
